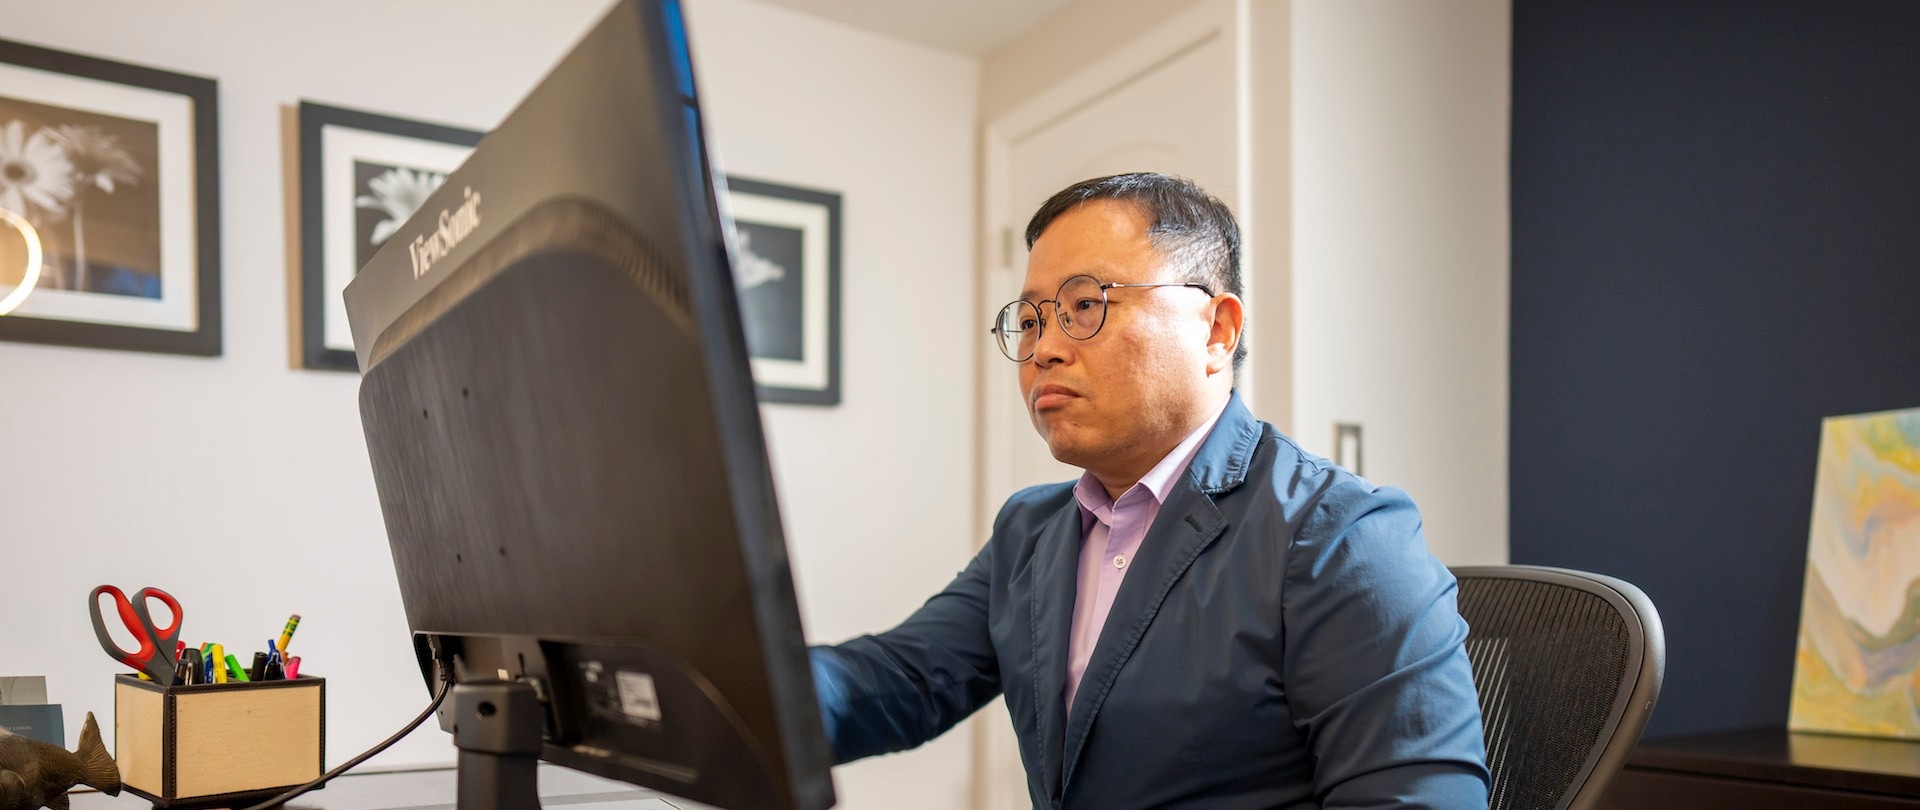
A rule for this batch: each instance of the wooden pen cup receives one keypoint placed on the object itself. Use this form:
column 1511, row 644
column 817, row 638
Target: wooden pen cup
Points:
column 219, row 744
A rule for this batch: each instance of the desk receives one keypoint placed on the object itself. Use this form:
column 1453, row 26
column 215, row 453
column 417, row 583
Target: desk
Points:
column 1768, row 769
column 435, row 790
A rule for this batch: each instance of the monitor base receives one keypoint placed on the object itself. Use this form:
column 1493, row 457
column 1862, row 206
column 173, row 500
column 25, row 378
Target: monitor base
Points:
column 497, row 726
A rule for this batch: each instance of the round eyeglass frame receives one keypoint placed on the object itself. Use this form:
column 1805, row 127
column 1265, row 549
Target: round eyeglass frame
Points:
column 1040, row 321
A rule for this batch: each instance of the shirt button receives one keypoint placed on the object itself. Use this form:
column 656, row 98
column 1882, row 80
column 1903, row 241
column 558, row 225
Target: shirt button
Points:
column 1120, row 561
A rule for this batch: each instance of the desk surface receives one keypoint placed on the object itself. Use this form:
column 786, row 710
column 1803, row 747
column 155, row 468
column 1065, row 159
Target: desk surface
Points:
column 1774, row 755
column 435, row 790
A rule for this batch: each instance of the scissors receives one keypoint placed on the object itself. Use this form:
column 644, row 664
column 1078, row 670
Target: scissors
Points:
column 157, row 654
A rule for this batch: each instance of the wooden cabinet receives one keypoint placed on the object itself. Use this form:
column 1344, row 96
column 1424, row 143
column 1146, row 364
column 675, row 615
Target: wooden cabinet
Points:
column 1768, row 769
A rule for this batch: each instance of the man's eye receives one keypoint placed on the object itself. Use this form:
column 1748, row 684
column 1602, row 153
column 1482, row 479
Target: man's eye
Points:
column 1085, row 304
column 1027, row 324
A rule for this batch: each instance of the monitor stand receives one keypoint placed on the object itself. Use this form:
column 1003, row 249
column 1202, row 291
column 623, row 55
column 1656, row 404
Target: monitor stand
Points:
column 497, row 726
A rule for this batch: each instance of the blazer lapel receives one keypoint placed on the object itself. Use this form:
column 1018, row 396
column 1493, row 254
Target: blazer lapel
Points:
column 1055, row 570
column 1186, row 525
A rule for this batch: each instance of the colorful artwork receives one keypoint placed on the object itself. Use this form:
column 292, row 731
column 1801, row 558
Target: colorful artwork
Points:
column 1857, row 670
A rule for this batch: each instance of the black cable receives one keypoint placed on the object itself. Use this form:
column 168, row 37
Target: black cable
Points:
column 446, row 685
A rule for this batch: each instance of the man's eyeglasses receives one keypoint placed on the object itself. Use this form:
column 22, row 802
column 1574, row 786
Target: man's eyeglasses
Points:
column 1080, row 306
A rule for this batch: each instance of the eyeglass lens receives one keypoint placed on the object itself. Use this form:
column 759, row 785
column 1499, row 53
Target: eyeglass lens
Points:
column 1080, row 308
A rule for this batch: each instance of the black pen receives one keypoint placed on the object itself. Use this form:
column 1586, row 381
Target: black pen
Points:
column 194, row 666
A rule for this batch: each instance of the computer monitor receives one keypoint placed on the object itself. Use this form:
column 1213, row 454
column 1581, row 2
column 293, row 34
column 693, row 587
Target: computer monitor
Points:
column 566, row 443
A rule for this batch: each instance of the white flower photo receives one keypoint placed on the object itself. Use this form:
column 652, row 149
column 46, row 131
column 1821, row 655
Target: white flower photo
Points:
column 116, row 169
column 388, row 196
column 76, row 176
column 362, row 176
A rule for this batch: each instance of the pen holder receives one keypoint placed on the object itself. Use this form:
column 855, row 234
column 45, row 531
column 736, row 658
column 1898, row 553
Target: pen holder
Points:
column 220, row 744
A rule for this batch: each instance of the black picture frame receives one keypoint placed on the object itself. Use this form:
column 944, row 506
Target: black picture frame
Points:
column 396, row 144
column 789, row 286
column 131, row 305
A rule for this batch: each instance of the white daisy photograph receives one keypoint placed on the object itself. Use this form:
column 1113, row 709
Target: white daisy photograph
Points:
column 109, row 170
column 362, row 174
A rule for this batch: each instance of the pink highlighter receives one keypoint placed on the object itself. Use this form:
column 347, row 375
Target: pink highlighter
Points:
column 293, row 667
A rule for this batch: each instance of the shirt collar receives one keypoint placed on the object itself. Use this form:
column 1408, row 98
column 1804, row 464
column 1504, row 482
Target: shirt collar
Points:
column 1094, row 503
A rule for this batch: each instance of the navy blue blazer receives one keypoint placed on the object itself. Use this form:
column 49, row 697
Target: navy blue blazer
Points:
column 1283, row 639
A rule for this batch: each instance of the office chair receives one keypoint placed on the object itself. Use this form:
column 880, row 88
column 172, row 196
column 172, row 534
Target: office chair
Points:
column 1568, row 665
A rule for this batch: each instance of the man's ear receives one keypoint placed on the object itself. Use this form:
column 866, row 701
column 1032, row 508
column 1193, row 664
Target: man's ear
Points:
column 1229, row 321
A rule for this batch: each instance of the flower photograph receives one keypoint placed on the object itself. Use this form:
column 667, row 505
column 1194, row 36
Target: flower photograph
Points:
column 84, row 181
column 384, row 197
column 362, row 175
column 113, row 170
column 786, row 273
column 769, row 275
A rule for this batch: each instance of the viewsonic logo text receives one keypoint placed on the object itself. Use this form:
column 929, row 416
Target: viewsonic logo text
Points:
column 454, row 226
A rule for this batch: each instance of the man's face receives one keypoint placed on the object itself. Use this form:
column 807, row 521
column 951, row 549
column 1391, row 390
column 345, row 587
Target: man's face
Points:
column 1110, row 402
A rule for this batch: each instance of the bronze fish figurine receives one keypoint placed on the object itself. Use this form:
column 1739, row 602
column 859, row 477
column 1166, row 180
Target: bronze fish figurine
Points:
column 35, row 774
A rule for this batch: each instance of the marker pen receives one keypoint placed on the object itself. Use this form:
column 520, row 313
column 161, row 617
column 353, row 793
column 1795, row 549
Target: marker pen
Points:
column 234, row 672
column 196, row 669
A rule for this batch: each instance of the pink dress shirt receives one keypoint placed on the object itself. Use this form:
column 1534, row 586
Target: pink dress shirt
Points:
column 1110, row 534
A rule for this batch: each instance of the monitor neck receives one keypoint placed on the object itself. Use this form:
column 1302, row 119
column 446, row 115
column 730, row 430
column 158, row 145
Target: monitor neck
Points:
column 497, row 727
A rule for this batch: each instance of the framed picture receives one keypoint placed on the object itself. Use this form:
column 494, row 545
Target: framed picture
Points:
column 112, row 172
column 787, row 268
column 361, row 176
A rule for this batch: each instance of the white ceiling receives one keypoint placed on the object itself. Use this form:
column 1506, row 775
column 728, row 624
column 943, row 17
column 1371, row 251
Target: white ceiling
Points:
column 973, row 27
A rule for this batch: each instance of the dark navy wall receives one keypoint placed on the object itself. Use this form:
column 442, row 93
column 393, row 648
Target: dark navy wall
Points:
column 1716, row 243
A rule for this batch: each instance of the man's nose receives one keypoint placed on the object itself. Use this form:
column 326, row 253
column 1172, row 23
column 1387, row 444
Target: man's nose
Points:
column 1053, row 345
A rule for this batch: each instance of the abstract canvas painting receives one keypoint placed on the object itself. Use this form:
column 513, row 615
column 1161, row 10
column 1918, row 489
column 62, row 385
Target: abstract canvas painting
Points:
column 1857, row 669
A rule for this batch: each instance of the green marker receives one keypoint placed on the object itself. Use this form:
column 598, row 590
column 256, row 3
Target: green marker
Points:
column 234, row 670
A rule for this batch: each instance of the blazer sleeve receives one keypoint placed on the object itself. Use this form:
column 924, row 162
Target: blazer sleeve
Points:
column 1375, row 665
column 894, row 691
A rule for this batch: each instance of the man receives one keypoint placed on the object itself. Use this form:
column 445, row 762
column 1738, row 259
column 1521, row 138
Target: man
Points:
column 1210, row 617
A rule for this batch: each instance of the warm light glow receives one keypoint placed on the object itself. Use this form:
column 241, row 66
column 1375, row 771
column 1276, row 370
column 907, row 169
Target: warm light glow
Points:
column 32, row 275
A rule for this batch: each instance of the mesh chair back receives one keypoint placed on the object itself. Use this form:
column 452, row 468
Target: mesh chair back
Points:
column 1568, row 666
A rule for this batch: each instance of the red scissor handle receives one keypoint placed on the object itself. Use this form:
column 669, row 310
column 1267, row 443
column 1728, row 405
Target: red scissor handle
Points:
column 155, row 655
column 162, row 636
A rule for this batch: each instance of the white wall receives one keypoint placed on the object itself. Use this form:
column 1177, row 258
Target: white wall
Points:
column 242, row 486
column 1400, row 266
column 877, row 494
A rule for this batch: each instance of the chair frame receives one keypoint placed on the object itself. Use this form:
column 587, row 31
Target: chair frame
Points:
column 1639, row 688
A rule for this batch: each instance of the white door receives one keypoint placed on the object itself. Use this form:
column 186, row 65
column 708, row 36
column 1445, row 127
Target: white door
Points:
column 1164, row 104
